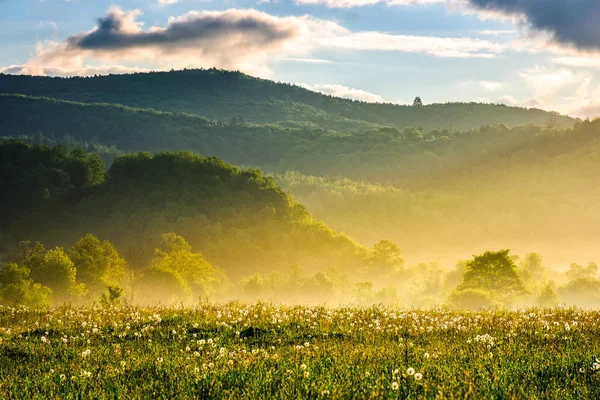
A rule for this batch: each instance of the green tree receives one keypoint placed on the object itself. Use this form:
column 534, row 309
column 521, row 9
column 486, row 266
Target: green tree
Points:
column 495, row 273
column 57, row 271
column 547, row 297
column 201, row 277
column 98, row 264
column 16, row 287
column 386, row 258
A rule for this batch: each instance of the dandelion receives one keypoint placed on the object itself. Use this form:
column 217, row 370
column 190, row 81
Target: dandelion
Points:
column 159, row 360
column 44, row 339
column 85, row 353
column 396, row 371
column 303, row 367
column 418, row 376
column 426, row 356
column 596, row 365
column 410, row 371
column 63, row 377
column 395, row 386
column 123, row 363
column 306, row 374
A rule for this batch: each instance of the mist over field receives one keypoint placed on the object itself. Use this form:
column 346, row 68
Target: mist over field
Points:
column 359, row 211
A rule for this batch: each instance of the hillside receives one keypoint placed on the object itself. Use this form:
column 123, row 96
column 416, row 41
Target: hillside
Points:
column 239, row 219
column 408, row 157
column 222, row 95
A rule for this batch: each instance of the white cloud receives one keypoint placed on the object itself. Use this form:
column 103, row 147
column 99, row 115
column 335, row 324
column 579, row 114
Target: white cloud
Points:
column 167, row 2
column 492, row 86
column 546, row 82
column 306, row 60
column 361, row 3
column 580, row 61
column 242, row 39
column 345, row 92
column 435, row 46
column 491, row 32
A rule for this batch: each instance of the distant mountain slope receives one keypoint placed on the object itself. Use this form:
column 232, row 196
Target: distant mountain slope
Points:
column 388, row 155
column 238, row 218
column 222, row 95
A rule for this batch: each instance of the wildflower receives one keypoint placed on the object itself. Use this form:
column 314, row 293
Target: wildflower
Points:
column 426, row 356
column 303, row 366
column 410, row 371
column 123, row 363
column 306, row 374
column 85, row 353
column 596, row 365
column 63, row 377
column 44, row 339
column 395, row 386
column 396, row 371
column 418, row 376
column 159, row 360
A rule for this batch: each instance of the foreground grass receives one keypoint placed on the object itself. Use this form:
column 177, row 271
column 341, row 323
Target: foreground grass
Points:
column 298, row 352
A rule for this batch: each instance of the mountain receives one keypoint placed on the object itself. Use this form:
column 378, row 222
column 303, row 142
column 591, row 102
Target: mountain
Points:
column 237, row 218
column 224, row 95
column 408, row 157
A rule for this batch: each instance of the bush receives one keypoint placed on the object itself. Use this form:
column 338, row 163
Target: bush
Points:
column 471, row 299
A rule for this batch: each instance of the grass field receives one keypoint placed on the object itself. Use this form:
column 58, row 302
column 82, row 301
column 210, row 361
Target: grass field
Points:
column 298, row 352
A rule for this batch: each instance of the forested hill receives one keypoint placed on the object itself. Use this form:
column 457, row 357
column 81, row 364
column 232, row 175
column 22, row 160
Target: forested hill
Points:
column 224, row 95
column 408, row 157
column 239, row 219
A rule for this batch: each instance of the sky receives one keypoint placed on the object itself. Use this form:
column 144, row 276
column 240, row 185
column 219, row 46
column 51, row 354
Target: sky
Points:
column 532, row 53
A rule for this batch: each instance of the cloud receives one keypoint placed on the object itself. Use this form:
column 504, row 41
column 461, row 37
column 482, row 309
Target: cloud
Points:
column 491, row 32
column 243, row 39
column 167, row 2
column 569, row 22
column 581, row 61
column 547, row 82
column 491, row 85
column 306, row 60
column 361, row 3
column 436, row 46
column 590, row 110
column 345, row 92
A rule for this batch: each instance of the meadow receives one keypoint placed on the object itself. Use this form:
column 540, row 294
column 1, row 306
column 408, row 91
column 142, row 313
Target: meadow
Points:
column 238, row 350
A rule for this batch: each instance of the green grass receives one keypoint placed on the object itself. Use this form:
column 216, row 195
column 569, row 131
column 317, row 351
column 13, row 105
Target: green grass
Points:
column 297, row 352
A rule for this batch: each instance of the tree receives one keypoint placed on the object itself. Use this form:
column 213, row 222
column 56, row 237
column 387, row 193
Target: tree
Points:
column 531, row 268
column 57, row 271
column 363, row 292
column 583, row 288
column 386, row 258
column 16, row 287
column 547, row 297
column 495, row 273
column 175, row 254
column 417, row 102
column 98, row 264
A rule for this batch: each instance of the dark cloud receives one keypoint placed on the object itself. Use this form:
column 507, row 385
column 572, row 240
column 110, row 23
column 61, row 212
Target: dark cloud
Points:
column 118, row 30
column 575, row 22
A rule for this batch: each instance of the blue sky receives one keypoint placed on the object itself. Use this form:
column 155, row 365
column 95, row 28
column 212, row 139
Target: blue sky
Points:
column 516, row 51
